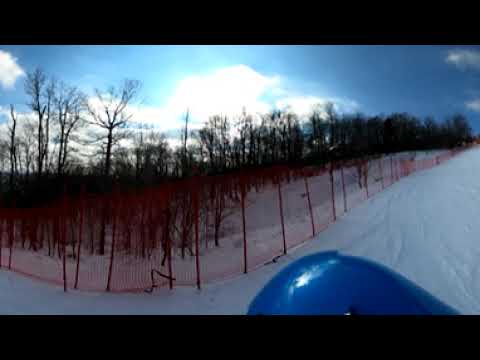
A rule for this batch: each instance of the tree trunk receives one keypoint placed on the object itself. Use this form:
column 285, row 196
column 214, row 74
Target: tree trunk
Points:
column 103, row 229
column 40, row 144
column 13, row 157
column 108, row 153
column 60, row 152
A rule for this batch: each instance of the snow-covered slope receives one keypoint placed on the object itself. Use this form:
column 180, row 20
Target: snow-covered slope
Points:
column 426, row 226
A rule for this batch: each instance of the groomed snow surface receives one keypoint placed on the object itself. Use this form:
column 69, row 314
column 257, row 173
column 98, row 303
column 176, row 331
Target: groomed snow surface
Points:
column 425, row 226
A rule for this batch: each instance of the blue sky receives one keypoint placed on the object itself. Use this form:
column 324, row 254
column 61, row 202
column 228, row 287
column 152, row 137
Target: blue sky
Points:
column 423, row 80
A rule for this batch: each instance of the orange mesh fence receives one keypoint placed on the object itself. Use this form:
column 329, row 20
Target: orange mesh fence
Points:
column 32, row 251
column 95, row 244
column 387, row 170
column 299, row 224
column 356, row 191
column 339, row 190
column 221, row 242
column 320, row 186
column 192, row 231
column 263, row 219
column 137, row 243
column 424, row 164
column 374, row 175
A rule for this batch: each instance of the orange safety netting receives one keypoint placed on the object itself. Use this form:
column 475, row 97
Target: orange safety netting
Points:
column 192, row 231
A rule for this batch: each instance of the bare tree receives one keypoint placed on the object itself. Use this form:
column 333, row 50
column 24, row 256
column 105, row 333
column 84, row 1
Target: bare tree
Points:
column 316, row 138
column 224, row 137
column 207, row 140
column 331, row 119
column 138, row 151
column 12, row 148
column 4, row 158
column 49, row 98
column 112, row 115
column 41, row 96
column 27, row 146
column 184, row 139
column 243, row 124
column 69, row 104
column 146, row 154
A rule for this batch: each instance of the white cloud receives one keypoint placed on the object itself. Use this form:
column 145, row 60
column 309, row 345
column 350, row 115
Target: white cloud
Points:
column 473, row 105
column 227, row 91
column 3, row 122
column 464, row 59
column 4, row 113
column 10, row 71
column 162, row 118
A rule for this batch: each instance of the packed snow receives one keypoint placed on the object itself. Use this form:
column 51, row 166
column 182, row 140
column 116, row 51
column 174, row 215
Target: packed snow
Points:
column 424, row 226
